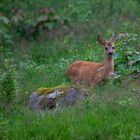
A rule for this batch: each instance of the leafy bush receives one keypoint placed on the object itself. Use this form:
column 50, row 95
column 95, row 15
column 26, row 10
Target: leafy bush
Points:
column 5, row 35
column 127, row 57
column 45, row 19
column 6, row 39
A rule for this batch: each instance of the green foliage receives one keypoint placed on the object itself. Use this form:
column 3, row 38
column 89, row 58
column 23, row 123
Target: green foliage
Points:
column 80, row 10
column 115, row 9
column 44, row 19
column 7, row 90
column 127, row 57
column 17, row 22
column 5, row 37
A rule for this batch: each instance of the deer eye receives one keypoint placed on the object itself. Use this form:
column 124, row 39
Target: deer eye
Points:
column 112, row 47
column 106, row 48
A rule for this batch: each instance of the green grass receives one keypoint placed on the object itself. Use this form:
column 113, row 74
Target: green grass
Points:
column 106, row 114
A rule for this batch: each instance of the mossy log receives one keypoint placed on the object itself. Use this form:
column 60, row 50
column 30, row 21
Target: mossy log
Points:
column 62, row 95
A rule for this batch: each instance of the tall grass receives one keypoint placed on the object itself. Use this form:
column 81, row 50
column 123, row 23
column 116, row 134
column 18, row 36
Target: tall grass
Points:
column 111, row 114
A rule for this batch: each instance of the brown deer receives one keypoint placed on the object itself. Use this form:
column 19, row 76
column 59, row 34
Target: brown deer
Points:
column 91, row 73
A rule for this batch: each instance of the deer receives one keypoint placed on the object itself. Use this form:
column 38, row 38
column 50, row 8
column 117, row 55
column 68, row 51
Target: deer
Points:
column 92, row 73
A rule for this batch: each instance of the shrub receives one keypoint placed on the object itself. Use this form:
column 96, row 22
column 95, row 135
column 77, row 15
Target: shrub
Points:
column 45, row 19
column 6, row 39
column 127, row 57
column 5, row 35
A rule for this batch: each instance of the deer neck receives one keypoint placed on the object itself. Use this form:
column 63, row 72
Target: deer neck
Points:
column 108, row 63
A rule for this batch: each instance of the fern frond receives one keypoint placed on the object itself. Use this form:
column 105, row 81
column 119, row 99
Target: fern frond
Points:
column 7, row 88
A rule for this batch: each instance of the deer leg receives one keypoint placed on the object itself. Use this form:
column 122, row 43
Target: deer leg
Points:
column 95, row 82
column 111, row 75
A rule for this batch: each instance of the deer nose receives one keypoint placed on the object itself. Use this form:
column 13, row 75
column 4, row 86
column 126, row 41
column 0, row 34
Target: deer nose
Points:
column 110, row 53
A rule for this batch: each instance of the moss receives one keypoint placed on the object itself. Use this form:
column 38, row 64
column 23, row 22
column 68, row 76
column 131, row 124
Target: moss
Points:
column 47, row 90
column 63, row 88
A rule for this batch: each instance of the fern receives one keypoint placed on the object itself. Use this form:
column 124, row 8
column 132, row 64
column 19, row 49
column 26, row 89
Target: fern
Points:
column 7, row 89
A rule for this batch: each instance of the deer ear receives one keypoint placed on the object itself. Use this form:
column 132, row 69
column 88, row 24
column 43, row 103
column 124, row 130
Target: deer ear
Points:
column 101, row 39
column 113, row 38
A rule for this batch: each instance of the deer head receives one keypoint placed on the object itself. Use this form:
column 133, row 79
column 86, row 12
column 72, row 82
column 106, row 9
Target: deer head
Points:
column 108, row 45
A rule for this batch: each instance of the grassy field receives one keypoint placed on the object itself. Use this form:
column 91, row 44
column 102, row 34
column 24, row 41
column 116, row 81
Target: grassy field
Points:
column 110, row 112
